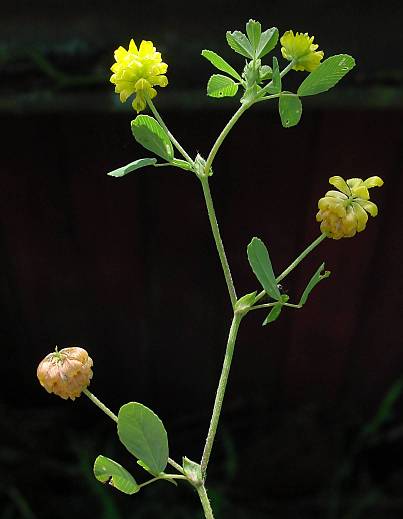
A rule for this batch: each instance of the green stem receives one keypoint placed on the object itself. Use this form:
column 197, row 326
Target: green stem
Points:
column 111, row 415
column 208, row 512
column 102, row 406
column 222, row 384
column 303, row 254
column 296, row 262
column 171, row 137
column 236, row 116
column 223, row 134
column 217, row 238
column 165, row 476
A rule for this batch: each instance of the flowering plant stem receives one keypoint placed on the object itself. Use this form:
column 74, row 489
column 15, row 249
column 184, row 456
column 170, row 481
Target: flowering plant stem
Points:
column 224, row 133
column 208, row 512
column 217, row 238
column 220, row 391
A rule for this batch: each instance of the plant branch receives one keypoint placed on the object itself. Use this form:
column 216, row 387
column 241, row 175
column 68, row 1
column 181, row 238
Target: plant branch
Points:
column 296, row 262
column 217, row 238
column 223, row 134
column 171, row 137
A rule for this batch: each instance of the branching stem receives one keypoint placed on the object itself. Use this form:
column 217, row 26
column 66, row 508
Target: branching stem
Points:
column 217, row 238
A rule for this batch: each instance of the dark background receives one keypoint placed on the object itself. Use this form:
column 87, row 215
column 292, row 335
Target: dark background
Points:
column 127, row 268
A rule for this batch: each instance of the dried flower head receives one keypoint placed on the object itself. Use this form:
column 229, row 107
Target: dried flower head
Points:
column 301, row 49
column 137, row 71
column 343, row 213
column 66, row 372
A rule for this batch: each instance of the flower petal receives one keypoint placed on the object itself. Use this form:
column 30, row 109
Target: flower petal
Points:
column 361, row 215
column 373, row 182
column 358, row 188
column 370, row 207
column 336, row 194
column 133, row 47
column 340, row 183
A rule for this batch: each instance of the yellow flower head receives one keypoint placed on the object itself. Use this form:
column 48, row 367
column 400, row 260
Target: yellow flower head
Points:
column 342, row 213
column 66, row 372
column 137, row 71
column 299, row 47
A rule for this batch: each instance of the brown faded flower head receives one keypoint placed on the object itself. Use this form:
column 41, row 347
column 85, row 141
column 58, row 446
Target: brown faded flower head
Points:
column 65, row 373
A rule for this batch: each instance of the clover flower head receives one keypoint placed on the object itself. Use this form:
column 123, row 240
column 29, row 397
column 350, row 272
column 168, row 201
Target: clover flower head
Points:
column 66, row 372
column 343, row 213
column 137, row 71
column 301, row 49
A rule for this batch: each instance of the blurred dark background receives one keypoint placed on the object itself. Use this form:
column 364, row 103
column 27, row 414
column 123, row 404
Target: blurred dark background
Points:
column 312, row 424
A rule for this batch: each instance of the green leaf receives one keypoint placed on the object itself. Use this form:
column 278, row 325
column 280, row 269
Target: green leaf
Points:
column 144, row 435
column 181, row 164
column 265, row 73
column 275, row 87
column 221, row 86
column 274, row 313
column 254, row 30
column 290, row 109
column 268, row 40
column 326, row 75
column 220, row 63
column 137, row 164
column 107, row 470
column 245, row 301
column 240, row 43
column 318, row 276
column 150, row 134
column 259, row 260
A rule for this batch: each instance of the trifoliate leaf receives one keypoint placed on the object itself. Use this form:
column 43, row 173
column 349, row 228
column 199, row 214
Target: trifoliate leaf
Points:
column 137, row 164
column 328, row 73
column 107, row 470
column 150, row 134
column 268, row 40
column 221, row 86
column 240, row 43
column 290, row 109
column 220, row 63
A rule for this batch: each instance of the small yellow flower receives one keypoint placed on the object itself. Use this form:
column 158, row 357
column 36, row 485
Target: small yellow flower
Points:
column 301, row 49
column 343, row 213
column 137, row 71
column 66, row 372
